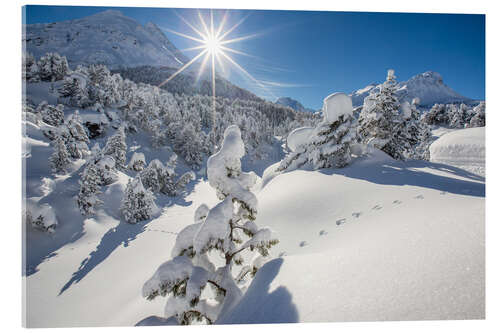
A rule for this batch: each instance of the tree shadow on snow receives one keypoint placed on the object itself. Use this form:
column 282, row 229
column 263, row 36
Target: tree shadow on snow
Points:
column 412, row 173
column 259, row 306
column 123, row 234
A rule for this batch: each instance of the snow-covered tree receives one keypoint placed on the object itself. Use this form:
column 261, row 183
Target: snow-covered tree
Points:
column 329, row 144
column 90, row 181
column 116, row 147
column 59, row 160
column 30, row 68
column 137, row 203
column 228, row 229
column 52, row 67
column 380, row 123
column 52, row 115
column 415, row 134
column 189, row 145
column 137, row 162
column 479, row 118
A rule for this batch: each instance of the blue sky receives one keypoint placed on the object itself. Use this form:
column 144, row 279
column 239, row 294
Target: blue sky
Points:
column 308, row 55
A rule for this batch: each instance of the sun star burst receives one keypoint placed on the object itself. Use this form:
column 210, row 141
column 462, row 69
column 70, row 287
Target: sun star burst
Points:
column 213, row 47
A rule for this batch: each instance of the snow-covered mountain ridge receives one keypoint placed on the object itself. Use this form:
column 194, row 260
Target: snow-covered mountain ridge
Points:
column 294, row 104
column 108, row 37
column 429, row 87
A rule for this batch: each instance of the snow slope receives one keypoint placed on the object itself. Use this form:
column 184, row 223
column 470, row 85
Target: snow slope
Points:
column 463, row 148
column 428, row 87
column 107, row 37
column 378, row 240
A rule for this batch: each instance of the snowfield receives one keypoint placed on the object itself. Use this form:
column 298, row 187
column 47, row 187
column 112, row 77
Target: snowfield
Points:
column 378, row 240
column 461, row 148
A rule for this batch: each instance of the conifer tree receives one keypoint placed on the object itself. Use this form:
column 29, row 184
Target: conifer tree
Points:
column 228, row 228
column 380, row 123
column 60, row 160
column 87, row 199
column 479, row 118
column 137, row 203
column 52, row 67
column 116, row 147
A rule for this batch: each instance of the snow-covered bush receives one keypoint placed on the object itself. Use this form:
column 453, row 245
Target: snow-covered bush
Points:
column 116, row 147
column 41, row 217
column 137, row 203
column 328, row 144
column 137, row 162
column 52, row 67
column 90, row 181
column 60, row 159
column 228, row 229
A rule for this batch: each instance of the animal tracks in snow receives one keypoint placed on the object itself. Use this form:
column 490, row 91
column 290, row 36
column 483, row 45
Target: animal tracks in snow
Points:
column 397, row 202
column 420, row 197
column 377, row 207
column 340, row 221
column 356, row 214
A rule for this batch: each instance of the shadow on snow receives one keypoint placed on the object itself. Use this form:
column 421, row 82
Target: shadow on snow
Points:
column 124, row 234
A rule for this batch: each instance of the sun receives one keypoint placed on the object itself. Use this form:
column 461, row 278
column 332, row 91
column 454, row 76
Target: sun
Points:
column 213, row 44
column 213, row 48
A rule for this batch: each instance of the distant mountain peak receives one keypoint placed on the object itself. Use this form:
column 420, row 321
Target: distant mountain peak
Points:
column 428, row 86
column 292, row 103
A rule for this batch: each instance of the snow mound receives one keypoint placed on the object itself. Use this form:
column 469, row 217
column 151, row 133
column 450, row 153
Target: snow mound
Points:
column 299, row 136
column 336, row 105
column 463, row 148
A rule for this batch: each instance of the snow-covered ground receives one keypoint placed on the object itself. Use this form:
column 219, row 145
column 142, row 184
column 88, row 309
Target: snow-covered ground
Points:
column 463, row 148
column 378, row 240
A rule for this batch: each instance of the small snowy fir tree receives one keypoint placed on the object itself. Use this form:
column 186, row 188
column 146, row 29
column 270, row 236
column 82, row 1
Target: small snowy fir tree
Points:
column 329, row 144
column 138, row 203
column 137, row 162
column 87, row 199
column 52, row 115
column 116, row 147
column 60, row 159
column 30, row 68
column 228, row 229
column 479, row 117
column 380, row 123
column 415, row 134
column 52, row 67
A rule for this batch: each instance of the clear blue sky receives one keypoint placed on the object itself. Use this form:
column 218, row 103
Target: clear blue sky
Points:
column 308, row 55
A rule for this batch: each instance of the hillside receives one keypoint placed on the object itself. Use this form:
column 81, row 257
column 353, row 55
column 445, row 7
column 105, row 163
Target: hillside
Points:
column 108, row 38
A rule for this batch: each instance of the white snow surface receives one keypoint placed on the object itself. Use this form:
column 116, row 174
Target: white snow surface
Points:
column 336, row 105
column 377, row 240
column 464, row 148
column 298, row 137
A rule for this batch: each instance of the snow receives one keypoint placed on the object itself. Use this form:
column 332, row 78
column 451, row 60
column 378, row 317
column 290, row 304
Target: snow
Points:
column 463, row 148
column 216, row 226
column 409, row 245
column 107, row 37
column 336, row 105
column 298, row 137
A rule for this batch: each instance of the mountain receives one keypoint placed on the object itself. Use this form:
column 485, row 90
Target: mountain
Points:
column 428, row 87
column 294, row 104
column 108, row 37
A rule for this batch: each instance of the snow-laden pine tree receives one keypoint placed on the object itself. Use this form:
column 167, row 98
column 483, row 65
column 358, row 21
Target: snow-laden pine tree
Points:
column 225, row 230
column 159, row 178
column 138, row 203
column 479, row 117
column 30, row 68
column 52, row 115
column 415, row 134
column 90, row 181
column 137, row 162
column 52, row 67
column 116, row 147
column 60, row 159
column 329, row 143
column 380, row 123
